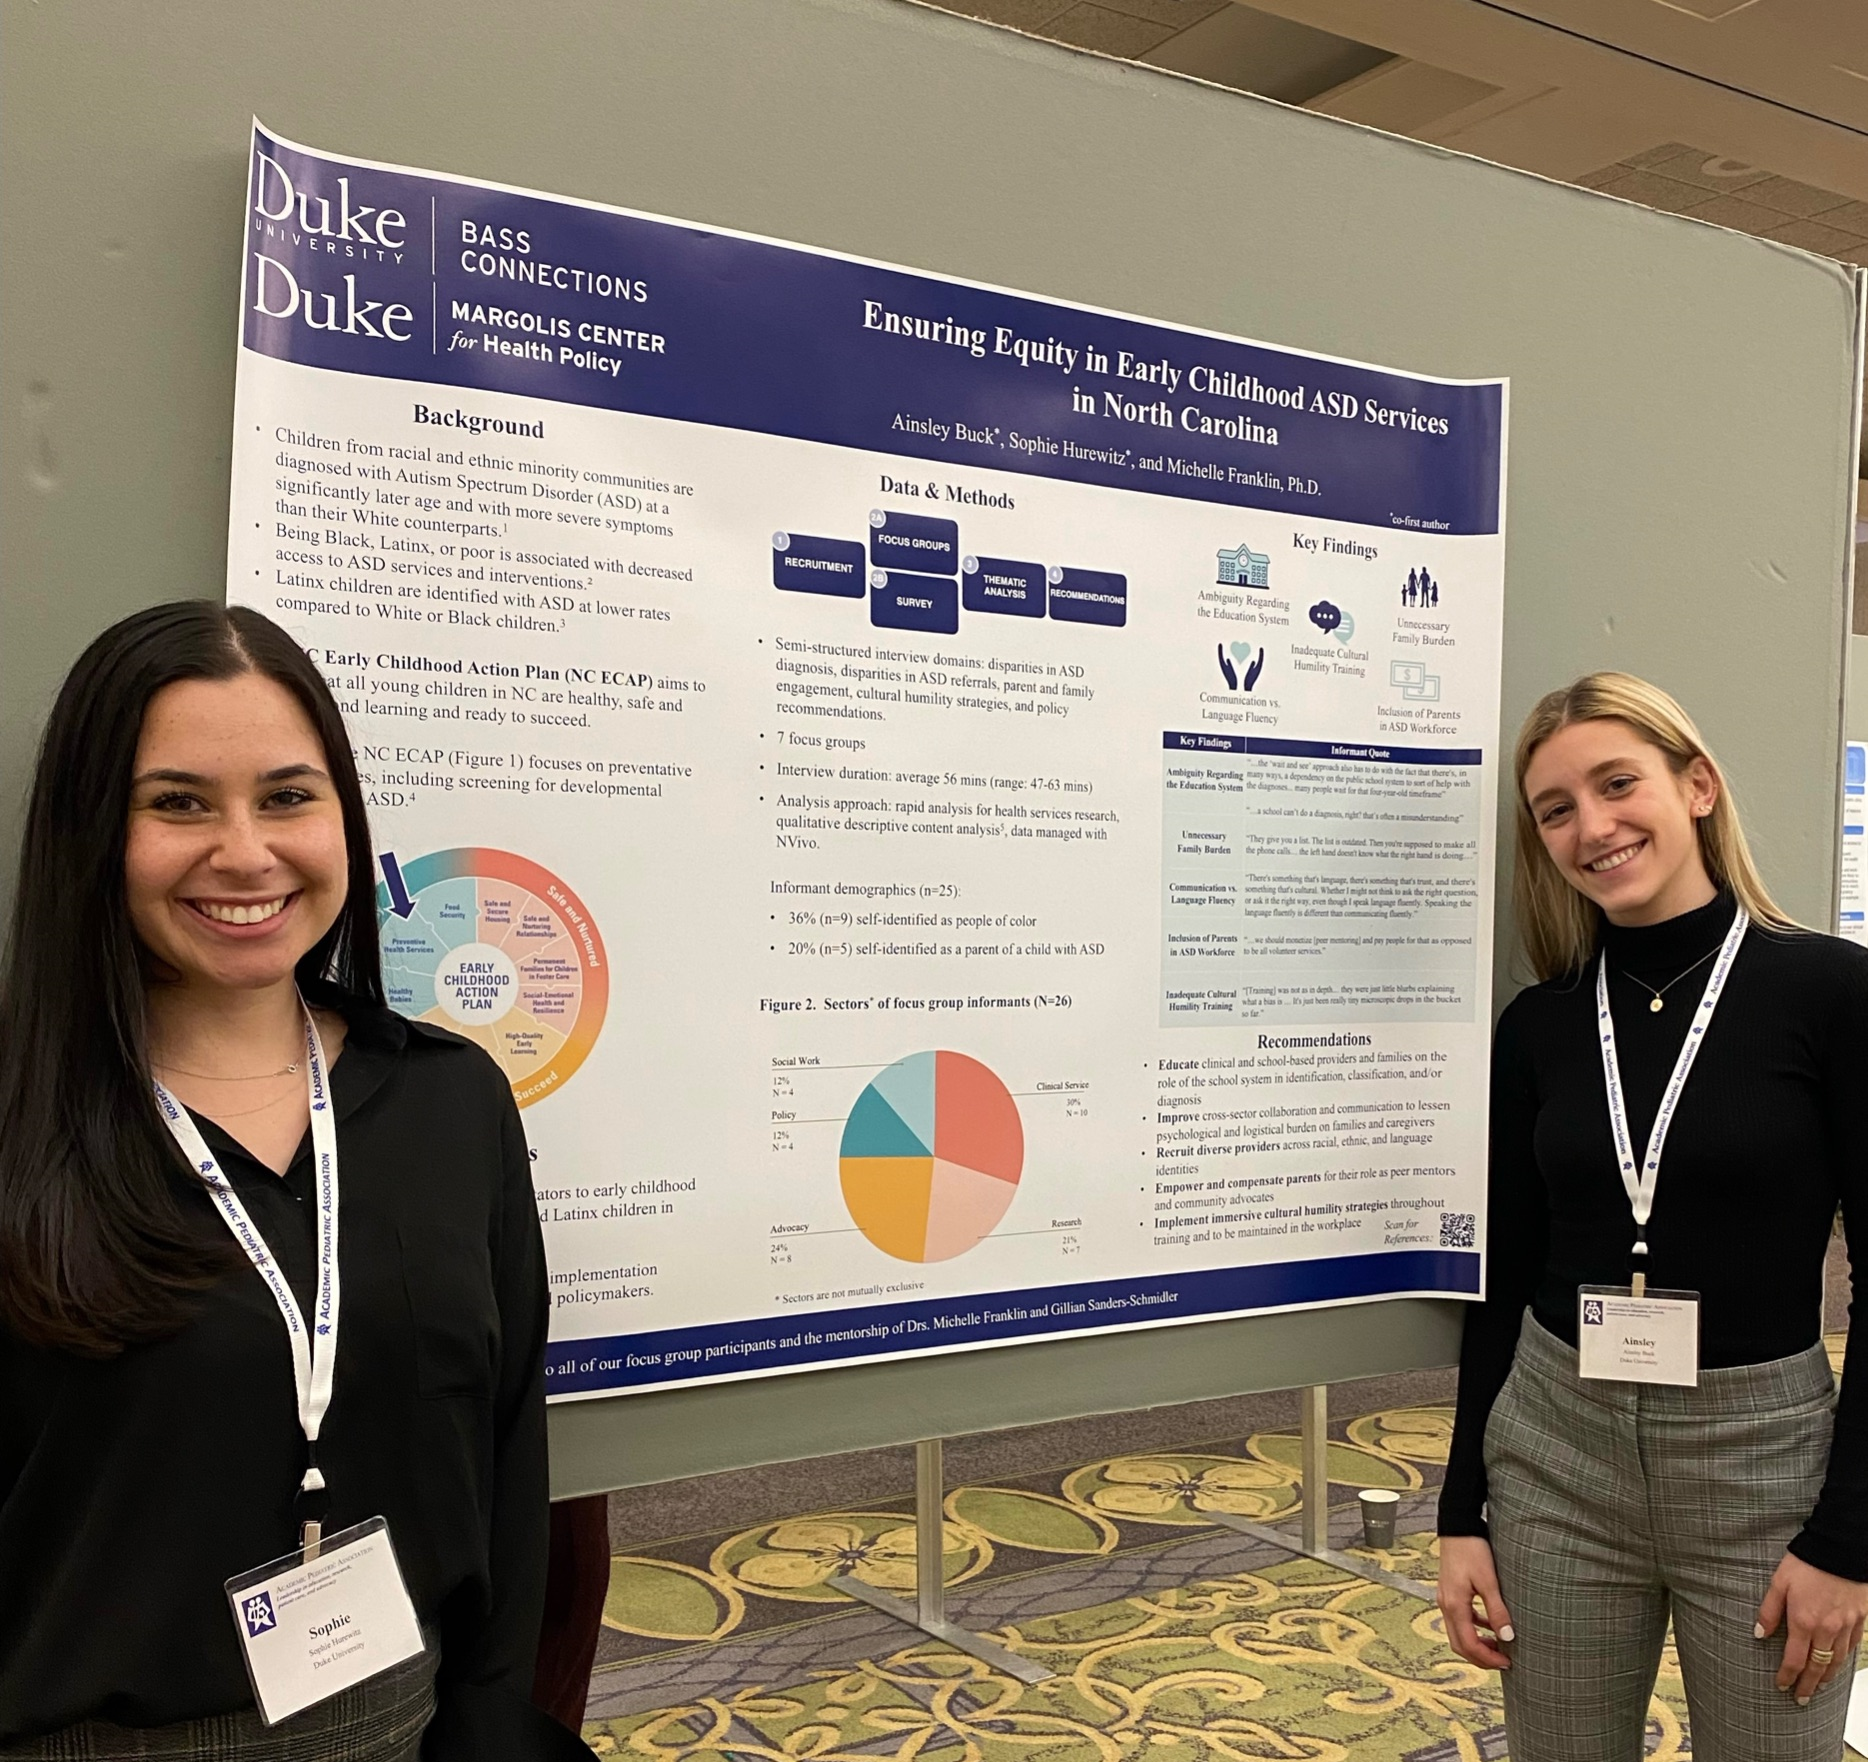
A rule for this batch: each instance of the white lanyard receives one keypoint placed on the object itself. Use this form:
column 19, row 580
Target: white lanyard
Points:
column 1641, row 1186
column 314, row 1349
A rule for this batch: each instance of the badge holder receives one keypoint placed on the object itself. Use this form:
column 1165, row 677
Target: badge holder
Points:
column 1627, row 1333
column 1631, row 1334
column 323, row 1618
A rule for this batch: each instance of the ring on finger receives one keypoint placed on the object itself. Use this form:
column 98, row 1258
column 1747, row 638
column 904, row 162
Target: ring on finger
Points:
column 1822, row 1655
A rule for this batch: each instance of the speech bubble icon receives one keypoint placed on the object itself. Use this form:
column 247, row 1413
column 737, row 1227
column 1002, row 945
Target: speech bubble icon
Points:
column 1325, row 616
column 1345, row 630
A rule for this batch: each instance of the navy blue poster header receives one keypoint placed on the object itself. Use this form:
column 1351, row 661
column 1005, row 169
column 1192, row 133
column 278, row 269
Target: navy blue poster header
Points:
column 462, row 288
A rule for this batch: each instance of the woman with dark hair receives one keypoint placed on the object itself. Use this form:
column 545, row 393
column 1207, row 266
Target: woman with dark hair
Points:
column 272, row 1295
column 1648, row 1429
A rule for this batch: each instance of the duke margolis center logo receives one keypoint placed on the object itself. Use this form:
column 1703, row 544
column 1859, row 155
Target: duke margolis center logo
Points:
column 288, row 218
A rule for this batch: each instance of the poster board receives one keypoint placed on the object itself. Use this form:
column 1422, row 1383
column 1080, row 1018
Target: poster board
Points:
column 1025, row 774
column 1632, row 340
column 1852, row 867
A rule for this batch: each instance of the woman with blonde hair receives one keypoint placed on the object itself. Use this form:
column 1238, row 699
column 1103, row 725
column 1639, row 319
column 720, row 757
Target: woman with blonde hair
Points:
column 1673, row 1129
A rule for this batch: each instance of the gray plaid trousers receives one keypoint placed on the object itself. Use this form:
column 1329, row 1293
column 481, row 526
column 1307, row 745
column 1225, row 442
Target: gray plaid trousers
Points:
column 381, row 1720
column 1616, row 1505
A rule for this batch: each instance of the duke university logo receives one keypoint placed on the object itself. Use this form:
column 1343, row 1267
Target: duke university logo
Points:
column 304, row 223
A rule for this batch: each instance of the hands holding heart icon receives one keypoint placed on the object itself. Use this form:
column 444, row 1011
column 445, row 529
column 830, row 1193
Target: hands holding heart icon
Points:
column 1241, row 653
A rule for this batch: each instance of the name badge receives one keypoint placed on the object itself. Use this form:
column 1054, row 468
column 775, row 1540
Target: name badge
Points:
column 312, row 1627
column 1653, row 1338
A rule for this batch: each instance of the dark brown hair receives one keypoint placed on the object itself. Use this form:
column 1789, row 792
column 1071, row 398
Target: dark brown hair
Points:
column 95, row 1254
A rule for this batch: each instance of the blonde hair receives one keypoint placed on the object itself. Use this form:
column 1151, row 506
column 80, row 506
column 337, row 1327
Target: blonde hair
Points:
column 1560, row 926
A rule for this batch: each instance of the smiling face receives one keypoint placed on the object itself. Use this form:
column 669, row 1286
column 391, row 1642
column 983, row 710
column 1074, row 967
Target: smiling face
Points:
column 1619, row 822
column 236, row 862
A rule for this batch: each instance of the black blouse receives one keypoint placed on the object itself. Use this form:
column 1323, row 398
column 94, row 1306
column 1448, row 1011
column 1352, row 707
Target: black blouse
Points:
column 131, row 1489
column 1767, row 1141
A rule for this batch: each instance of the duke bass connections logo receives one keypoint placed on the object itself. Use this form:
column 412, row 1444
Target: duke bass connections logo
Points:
column 300, row 225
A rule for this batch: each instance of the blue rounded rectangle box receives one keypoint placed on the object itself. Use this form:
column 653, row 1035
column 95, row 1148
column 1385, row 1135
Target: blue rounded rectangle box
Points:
column 899, row 601
column 802, row 564
column 914, row 541
column 1089, row 596
column 996, row 584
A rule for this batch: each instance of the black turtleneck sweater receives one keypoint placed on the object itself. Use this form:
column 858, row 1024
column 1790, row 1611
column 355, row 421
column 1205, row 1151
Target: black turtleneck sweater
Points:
column 1769, row 1138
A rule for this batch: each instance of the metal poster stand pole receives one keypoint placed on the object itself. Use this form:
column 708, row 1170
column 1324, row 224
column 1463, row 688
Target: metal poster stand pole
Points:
column 1314, row 1461
column 929, row 1610
column 1315, row 1527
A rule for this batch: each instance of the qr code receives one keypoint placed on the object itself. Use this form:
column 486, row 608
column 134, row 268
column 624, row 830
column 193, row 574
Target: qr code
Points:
column 1456, row 1229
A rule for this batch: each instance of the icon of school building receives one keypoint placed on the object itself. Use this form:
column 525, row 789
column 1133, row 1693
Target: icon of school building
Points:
column 1244, row 568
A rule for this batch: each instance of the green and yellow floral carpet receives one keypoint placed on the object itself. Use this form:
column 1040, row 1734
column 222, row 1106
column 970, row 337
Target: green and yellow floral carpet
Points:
column 1173, row 1639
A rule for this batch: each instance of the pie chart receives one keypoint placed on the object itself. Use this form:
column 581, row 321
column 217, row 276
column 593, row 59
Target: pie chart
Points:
column 931, row 1156
column 495, row 947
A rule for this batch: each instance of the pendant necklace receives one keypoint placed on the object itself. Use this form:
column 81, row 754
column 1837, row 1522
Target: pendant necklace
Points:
column 250, row 1077
column 286, row 1070
column 1657, row 997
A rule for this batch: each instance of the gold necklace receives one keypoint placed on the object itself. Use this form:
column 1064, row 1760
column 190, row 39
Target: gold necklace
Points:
column 1657, row 1003
column 242, row 1112
column 211, row 1077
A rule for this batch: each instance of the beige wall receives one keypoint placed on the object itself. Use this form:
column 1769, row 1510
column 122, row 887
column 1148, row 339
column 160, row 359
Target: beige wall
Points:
column 1682, row 408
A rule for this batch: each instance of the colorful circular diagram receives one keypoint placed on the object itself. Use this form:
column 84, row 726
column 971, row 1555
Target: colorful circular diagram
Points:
column 931, row 1156
column 499, row 950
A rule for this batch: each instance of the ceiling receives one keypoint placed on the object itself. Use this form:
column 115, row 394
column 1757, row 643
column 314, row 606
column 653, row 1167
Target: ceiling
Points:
column 1748, row 114
column 1810, row 56
column 1566, row 88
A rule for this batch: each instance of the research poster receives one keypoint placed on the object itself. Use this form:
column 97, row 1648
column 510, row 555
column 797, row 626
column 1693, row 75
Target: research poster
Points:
column 963, row 817
column 1852, row 895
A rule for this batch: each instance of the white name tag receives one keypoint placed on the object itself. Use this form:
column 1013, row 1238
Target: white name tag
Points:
column 1653, row 1338
column 313, row 1628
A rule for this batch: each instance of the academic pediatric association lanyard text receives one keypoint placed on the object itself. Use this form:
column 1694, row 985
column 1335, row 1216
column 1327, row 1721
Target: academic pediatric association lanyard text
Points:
column 1642, row 1183
column 314, row 1349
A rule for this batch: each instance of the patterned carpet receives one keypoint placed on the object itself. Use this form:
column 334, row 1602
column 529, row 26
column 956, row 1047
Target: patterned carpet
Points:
column 1290, row 1660
column 1173, row 1639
